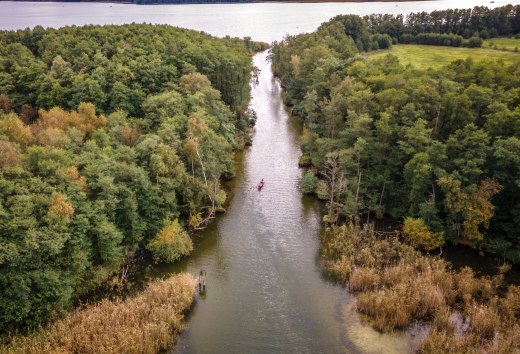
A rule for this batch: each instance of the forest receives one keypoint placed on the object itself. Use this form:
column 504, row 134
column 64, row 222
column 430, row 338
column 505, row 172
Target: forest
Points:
column 113, row 142
column 436, row 149
column 481, row 21
column 431, row 151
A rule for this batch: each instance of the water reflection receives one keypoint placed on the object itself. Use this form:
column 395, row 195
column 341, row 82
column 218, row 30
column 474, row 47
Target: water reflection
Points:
column 265, row 289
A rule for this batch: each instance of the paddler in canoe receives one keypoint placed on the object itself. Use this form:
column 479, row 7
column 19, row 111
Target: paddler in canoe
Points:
column 260, row 185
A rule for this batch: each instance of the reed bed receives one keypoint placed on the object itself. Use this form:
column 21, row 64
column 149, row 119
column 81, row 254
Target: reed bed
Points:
column 147, row 323
column 397, row 285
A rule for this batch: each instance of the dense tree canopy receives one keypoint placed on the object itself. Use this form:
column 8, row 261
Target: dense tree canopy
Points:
column 116, row 67
column 109, row 136
column 498, row 22
column 438, row 146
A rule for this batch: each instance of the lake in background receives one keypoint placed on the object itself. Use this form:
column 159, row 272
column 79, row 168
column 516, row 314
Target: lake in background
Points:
column 261, row 21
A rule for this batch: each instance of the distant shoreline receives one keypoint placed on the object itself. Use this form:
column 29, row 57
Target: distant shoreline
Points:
column 193, row 2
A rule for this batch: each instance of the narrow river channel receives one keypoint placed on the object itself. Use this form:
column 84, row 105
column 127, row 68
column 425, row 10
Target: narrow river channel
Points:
column 265, row 290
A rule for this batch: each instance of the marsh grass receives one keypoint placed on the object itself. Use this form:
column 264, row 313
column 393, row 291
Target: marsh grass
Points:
column 397, row 285
column 147, row 323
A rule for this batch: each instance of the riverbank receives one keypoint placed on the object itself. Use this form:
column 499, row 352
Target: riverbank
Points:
column 147, row 323
column 396, row 286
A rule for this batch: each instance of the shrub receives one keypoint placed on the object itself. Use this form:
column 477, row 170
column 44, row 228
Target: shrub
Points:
column 443, row 342
column 393, row 274
column 341, row 268
column 474, row 42
column 510, row 305
column 443, row 321
column 304, row 161
column 220, row 198
column 387, row 307
column 485, row 321
column 465, row 285
column 171, row 243
column 322, row 190
column 444, row 39
column 384, row 41
column 308, row 184
column 364, row 279
column 406, row 39
column 419, row 235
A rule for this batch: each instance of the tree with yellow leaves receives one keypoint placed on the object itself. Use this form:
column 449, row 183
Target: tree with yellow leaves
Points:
column 419, row 234
column 171, row 243
column 470, row 209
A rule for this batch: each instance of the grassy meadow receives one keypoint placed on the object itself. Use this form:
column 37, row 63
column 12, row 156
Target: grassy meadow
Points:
column 427, row 56
column 146, row 323
column 502, row 43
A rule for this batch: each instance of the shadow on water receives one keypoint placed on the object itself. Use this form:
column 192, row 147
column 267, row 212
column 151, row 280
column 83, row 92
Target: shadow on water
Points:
column 461, row 256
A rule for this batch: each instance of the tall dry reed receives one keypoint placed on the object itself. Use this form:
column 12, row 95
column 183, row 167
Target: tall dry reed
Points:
column 397, row 285
column 147, row 323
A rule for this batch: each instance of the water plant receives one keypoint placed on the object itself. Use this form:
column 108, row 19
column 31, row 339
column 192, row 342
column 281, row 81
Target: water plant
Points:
column 397, row 285
column 147, row 323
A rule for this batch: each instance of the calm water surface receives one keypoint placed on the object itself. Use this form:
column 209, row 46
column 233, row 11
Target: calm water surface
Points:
column 265, row 292
column 260, row 21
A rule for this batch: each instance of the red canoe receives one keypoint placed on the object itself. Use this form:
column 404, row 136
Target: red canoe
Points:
column 260, row 185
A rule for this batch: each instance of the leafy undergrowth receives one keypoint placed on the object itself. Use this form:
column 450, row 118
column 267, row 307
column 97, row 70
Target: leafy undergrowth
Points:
column 397, row 285
column 147, row 323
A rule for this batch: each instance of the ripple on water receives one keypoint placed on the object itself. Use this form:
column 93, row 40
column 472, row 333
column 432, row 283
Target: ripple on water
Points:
column 266, row 293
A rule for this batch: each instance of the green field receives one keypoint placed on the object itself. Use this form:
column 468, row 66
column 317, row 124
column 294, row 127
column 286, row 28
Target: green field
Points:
column 427, row 56
column 503, row 43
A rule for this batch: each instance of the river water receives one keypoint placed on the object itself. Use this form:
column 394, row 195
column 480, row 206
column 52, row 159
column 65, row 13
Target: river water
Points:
column 265, row 291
